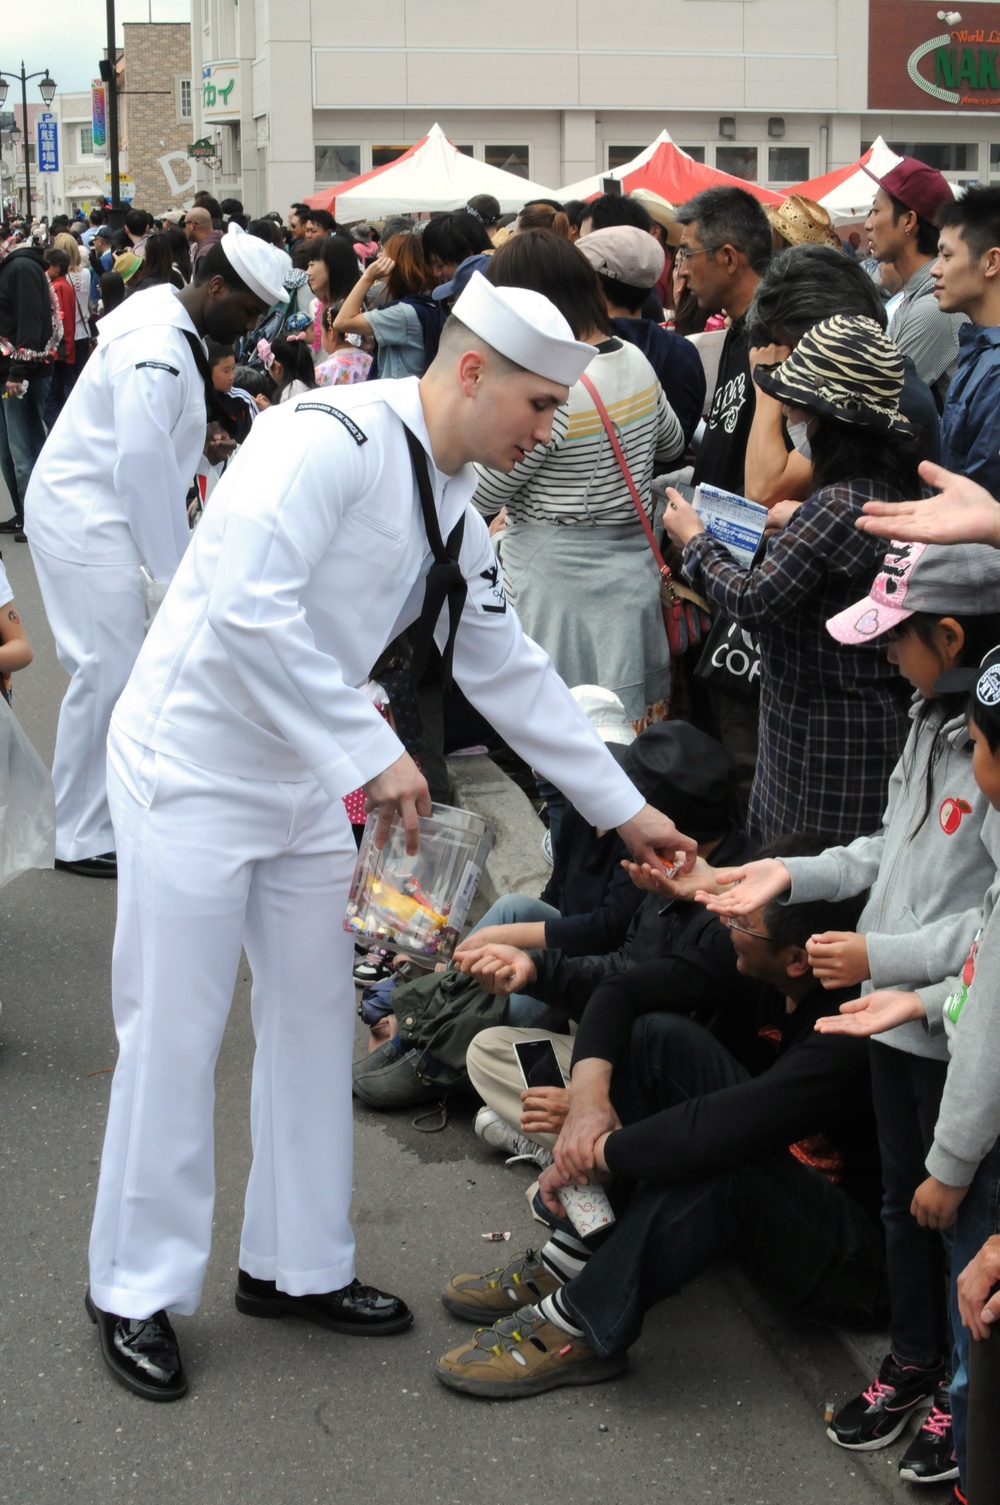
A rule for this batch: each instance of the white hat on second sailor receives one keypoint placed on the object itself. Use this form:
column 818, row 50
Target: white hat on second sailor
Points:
column 261, row 266
column 525, row 327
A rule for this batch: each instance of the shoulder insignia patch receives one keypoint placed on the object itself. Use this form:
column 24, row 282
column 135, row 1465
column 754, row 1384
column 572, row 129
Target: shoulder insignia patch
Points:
column 358, row 435
column 157, row 366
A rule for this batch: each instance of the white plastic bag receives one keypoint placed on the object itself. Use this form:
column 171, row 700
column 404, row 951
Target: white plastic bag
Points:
column 27, row 802
column 154, row 591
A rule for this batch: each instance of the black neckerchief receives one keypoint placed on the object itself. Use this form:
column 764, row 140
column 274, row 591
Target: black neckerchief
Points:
column 445, row 581
column 214, row 410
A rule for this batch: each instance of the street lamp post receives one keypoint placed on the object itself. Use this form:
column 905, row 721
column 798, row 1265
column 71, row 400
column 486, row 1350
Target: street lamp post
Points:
column 46, row 89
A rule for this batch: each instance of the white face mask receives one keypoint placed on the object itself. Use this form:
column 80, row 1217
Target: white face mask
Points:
column 799, row 435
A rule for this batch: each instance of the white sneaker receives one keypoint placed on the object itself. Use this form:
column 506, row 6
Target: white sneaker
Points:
column 547, row 848
column 495, row 1131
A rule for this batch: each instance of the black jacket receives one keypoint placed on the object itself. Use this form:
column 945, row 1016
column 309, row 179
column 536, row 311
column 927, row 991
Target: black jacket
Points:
column 25, row 313
column 695, row 943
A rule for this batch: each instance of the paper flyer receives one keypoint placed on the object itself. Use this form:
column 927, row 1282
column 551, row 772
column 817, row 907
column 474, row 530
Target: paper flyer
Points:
column 732, row 519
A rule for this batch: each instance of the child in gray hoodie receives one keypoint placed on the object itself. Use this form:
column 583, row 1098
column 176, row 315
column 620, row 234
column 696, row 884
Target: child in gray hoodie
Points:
column 926, row 869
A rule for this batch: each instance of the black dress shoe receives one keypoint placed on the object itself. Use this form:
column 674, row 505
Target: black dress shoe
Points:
column 12, row 525
column 104, row 866
column 142, row 1354
column 355, row 1309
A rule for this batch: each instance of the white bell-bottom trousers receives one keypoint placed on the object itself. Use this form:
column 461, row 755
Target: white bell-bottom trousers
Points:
column 97, row 614
column 208, row 864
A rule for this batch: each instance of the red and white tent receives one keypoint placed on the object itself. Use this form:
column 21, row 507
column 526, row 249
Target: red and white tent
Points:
column 432, row 175
column 847, row 193
column 668, row 171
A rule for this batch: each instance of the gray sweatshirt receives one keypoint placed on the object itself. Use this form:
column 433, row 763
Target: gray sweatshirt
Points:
column 969, row 1118
column 926, row 898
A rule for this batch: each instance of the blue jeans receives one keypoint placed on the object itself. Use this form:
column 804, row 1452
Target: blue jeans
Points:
column 907, row 1093
column 978, row 1218
column 523, row 1010
column 803, row 1241
column 24, row 432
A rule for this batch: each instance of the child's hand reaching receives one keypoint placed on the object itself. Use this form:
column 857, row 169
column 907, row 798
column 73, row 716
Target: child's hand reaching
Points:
column 839, row 958
column 753, row 886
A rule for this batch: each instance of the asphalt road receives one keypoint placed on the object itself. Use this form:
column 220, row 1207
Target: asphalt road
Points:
column 724, row 1403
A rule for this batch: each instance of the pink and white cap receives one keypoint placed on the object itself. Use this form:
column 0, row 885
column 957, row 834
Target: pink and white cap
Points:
column 885, row 605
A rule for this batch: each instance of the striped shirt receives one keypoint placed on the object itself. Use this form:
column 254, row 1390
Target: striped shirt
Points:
column 575, row 478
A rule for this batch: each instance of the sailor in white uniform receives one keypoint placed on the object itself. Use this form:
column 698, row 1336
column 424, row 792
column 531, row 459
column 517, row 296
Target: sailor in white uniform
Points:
column 241, row 727
column 107, row 495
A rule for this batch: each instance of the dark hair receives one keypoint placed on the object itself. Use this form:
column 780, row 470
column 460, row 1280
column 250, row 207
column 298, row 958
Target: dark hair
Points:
column 215, row 263
column 218, row 352
column 484, row 207
column 410, row 275
column 689, row 316
column 96, row 216
column 552, row 266
column 730, row 217
column 453, row 237
column 396, row 224
column 542, row 217
column 982, row 633
column 138, row 221
column 266, row 230
column 302, row 253
column 204, row 200
column 804, row 285
column 341, row 261
column 231, row 207
column 623, row 293
column 56, row 258
column 111, row 286
column 552, row 203
column 301, row 211
column 180, row 251
column 576, row 211
column 849, row 452
column 157, row 261
column 323, row 218
column 976, row 215
column 256, row 383
column 618, row 209
column 296, row 362
column 927, row 236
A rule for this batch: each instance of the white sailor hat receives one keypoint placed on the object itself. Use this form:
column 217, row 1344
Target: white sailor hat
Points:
column 525, row 327
column 261, row 266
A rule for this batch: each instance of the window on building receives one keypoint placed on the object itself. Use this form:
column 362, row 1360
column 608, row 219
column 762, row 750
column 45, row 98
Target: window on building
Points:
column 383, row 155
column 619, row 155
column 946, row 156
column 335, row 164
column 738, row 161
column 467, row 151
column 184, row 99
column 509, row 158
column 787, row 164
column 86, row 141
column 696, row 153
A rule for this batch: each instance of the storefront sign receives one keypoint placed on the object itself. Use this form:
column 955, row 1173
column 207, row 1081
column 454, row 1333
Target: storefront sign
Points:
column 220, row 91
column 921, row 57
column 126, row 187
column 48, row 142
column 99, row 118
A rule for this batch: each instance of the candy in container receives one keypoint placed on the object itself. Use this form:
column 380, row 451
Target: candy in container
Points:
column 419, row 903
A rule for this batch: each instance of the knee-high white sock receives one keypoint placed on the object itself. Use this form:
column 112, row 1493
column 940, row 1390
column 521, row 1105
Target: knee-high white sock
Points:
column 564, row 1255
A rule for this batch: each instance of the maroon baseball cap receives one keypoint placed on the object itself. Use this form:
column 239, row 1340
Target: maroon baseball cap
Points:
column 921, row 188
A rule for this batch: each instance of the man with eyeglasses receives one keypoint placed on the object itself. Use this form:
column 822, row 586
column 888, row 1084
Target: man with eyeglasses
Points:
column 769, row 1157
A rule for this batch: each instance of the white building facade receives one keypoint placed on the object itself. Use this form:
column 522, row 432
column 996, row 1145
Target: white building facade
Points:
column 301, row 94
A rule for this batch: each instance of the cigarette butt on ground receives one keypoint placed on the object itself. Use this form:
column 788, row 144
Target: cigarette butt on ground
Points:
column 828, row 1411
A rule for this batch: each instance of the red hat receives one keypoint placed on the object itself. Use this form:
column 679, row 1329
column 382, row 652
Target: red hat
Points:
column 921, row 188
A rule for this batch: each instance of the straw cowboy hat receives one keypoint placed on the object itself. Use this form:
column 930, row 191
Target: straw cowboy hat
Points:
column 802, row 222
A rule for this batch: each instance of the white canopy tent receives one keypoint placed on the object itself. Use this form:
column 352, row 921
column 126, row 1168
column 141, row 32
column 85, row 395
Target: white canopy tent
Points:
column 432, row 175
column 587, row 187
column 847, row 193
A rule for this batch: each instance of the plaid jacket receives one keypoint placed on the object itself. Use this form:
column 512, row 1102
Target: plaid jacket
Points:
column 832, row 718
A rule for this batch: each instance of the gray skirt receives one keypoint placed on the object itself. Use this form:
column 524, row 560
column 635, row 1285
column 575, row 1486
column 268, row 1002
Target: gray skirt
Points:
column 591, row 598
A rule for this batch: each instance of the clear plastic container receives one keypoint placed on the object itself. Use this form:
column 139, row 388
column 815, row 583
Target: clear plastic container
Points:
column 419, row 904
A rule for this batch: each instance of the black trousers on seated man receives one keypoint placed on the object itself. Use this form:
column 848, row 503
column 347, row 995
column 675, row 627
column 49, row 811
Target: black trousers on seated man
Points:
column 810, row 1247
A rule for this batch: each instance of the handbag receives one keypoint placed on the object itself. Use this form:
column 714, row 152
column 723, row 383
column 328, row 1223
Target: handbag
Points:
column 87, row 318
column 730, row 660
column 685, row 614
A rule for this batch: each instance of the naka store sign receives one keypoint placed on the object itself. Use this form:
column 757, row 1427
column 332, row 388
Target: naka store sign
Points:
column 918, row 61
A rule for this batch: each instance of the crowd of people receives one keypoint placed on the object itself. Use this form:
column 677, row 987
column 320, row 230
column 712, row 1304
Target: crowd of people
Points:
column 765, row 959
